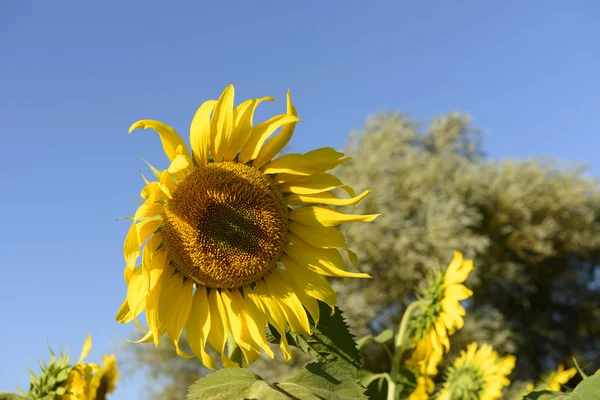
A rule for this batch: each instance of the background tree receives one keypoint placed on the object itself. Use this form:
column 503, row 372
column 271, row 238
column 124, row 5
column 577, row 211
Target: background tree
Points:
column 532, row 228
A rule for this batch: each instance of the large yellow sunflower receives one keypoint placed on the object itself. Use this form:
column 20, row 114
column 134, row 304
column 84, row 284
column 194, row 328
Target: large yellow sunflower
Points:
column 231, row 237
column 441, row 315
column 477, row 374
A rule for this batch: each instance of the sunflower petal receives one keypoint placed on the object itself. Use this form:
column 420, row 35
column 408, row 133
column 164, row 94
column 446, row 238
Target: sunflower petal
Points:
column 318, row 236
column 275, row 145
column 175, row 303
column 261, row 132
column 131, row 247
column 256, row 321
column 319, row 183
column 239, row 327
column 200, row 135
column 274, row 315
column 457, row 292
column 124, row 315
column 85, row 350
column 310, row 303
column 323, row 198
column 311, row 163
column 243, row 116
column 327, row 262
column 324, row 216
column 313, row 284
column 221, row 125
column 169, row 138
column 155, row 318
column 219, row 326
column 289, row 304
column 198, row 327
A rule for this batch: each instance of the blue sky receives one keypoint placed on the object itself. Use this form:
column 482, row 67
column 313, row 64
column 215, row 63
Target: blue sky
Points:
column 73, row 77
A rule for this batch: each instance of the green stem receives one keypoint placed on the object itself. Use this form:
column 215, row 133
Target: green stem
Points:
column 400, row 337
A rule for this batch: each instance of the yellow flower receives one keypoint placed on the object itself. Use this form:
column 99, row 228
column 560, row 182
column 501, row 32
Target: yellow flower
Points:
column 89, row 381
column 441, row 316
column 560, row 377
column 424, row 386
column 231, row 237
column 477, row 373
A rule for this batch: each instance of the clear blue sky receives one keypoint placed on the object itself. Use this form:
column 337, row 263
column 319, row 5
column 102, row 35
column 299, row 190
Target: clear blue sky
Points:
column 74, row 76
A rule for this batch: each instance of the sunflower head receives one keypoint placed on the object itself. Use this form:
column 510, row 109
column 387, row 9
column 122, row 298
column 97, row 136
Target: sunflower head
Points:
column 440, row 315
column 232, row 237
column 477, row 374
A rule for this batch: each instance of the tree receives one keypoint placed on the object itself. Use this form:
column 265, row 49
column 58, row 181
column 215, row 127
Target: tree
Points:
column 532, row 228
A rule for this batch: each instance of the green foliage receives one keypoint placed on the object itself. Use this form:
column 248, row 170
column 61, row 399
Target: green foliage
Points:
column 330, row 340
column 10, row 396
column 51, row 382
column 532, row 228
column 588, row 389
column 316, row 381
column 333, row 377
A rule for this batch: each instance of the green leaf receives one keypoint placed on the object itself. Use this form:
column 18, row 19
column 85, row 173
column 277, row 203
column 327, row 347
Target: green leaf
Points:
column 328, row 381
column 10, row 396
column 234, row 384
column 588, row 389
column 381, row 338
column 330, row 341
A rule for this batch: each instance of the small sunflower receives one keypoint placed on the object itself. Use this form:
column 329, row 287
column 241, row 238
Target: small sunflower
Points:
column 231, row 237
column 477, row 374
column 442, row 315
column 83, row 381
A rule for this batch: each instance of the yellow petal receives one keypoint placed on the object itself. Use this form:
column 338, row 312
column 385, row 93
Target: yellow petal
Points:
column 169, row 138
column 261, row 132
column 131, row 247
column 175, row 303
column 153, row 192
column 289, row 304
column 243, row 116
column 327, row 262
column 323, row 198
column 311, row 163
column 219, row 326
column 318, row 236
column 275, row 145
column 274, row 314
column 221, row 126
column 148, row 226
column 239, row 328
column 85, row 350
column 180, row 163
column 200, row 136
column 457, row 292
column 256, row 321
column 441, row 333
column 313, row 284
column 307, row 301
column 324, row 216
column 124, row 315
column 136, row 293
column 155, row 318
column 319, row 183
column 198, row 327
column 167, row 184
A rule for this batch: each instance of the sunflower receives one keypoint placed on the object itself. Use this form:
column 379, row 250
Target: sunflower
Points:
column 477, row 374
column 441, row 316
column 231, row 237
